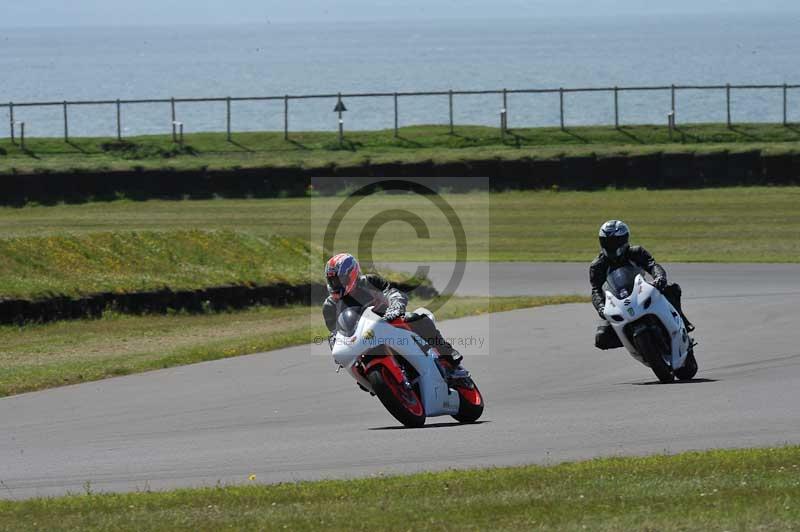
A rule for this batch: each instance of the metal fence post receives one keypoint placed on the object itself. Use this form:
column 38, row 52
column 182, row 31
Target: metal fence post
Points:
column 172, row 107
column 561, row 99
column 341, row 120
column 66, row 124
column 450, row 102
column 228, row 117
column 785, row 105
column 670, row 123
column 674, row 113
column 616, row 107
column 11, row 120
column 286, row 117
column 505, row 109
column 396, row 133
column 119, row 121
column 728, row 103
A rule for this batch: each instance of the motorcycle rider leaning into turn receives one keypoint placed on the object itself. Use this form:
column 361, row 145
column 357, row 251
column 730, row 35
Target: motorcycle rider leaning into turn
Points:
column 347, row 287
column 616, row 251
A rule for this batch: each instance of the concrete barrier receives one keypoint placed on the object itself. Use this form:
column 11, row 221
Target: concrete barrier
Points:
column 660, row 170
column 218, row 298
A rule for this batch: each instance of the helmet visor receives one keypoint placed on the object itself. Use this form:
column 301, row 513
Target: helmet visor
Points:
column 612, row 244
column 335, row 285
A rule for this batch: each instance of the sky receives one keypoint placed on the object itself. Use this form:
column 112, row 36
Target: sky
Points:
column 15, row 13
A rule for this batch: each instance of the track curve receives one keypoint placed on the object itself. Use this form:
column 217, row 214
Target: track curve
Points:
column 286, row 415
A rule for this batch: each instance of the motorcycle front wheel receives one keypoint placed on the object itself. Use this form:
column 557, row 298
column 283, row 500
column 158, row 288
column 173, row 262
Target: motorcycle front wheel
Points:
column 402, row 403
column 651, row 349
column 689, row 369
column 470, row 406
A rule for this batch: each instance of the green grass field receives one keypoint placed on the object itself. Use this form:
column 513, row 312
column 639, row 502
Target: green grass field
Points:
column 40, row 356
column 415, row 143
column 708, row 225
column 125, row 245
column 755, row 489
column 35, row 267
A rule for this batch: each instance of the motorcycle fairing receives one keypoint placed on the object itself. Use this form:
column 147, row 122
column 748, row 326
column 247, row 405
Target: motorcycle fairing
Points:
column 644, row 300
column 372, row 331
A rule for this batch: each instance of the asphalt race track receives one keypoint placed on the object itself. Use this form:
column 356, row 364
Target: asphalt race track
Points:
column 286, row 415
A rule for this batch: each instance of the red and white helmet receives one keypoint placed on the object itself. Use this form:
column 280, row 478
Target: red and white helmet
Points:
column 341, row 274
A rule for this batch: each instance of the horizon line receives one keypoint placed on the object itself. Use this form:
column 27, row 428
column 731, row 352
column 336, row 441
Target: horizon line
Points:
column 383, row 20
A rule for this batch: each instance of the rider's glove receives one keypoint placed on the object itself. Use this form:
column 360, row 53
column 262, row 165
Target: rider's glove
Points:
column 394, row 312
column 660, row 283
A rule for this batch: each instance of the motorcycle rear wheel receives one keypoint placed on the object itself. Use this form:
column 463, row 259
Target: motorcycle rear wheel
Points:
column 405, row 405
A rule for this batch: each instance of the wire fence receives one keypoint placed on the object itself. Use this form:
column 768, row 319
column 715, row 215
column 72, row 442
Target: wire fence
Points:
column 173, row 124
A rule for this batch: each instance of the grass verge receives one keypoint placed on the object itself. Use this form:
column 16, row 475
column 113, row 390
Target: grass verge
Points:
column 708, row 225
column 74, row 265
column 34, row 357
column 751, row 489
column 413, row 144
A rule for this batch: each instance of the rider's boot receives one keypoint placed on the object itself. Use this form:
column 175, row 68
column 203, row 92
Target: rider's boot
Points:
column 451, row 364
column 686, row 323
column 449, row 359
column 673, row 293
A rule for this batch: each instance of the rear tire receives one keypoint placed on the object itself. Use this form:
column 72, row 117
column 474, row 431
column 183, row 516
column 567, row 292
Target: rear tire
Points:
column 396, row 399
column 650, row 349
column 689, row 369
column 470, row 405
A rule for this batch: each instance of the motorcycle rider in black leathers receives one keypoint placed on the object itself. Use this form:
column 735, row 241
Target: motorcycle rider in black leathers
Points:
column 348, row 288
column 616, row 251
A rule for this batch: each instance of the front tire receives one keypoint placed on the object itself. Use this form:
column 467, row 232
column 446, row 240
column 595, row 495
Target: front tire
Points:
column 404, row 404
column 651, row 350
column 470, row 406
column 689, row 369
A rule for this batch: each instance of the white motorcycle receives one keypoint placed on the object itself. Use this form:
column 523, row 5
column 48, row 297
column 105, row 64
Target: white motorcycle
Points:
column 648, row 326
column 389, row 360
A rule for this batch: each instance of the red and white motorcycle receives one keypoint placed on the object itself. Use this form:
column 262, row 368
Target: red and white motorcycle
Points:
column 389, row 360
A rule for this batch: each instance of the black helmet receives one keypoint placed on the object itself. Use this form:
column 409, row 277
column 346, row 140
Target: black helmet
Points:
column 614, row 236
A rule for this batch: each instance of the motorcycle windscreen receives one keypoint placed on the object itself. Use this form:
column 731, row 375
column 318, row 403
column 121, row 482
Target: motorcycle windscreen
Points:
column 620, row 281
column 348, row 320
